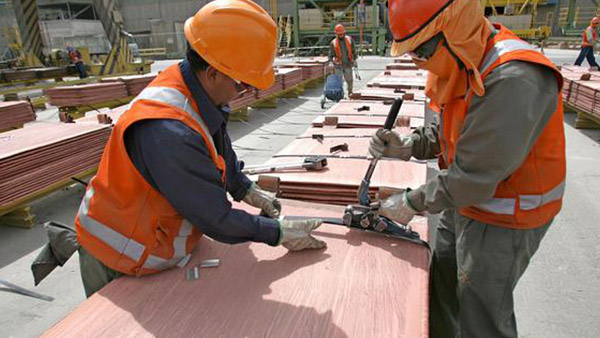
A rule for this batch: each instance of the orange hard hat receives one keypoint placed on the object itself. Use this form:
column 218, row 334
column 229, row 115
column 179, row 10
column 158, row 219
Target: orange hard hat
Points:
column 595, row 20
column 339, row 29
column 462, row 23
column 238, row 38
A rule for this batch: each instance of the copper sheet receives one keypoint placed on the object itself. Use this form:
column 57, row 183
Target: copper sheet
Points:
column 401, row 66
column 15, row 114
column 42, row 154
column 311, row 147
column 67, row 96
column 401, row 83
column 380, row 94
column 375, row 108
column 349, row 172
column 134, row 83
column 362, row 122
column 362, row 285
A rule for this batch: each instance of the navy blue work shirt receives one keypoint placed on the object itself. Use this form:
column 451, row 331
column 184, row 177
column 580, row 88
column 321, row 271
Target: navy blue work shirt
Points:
column 174, row 159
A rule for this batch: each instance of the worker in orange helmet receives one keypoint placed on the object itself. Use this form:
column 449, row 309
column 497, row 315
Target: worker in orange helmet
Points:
column 589, row 41
column 342, row 53
column 501, row 148
column 169, row 163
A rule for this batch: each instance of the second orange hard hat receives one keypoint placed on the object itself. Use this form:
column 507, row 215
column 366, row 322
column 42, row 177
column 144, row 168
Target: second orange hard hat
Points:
column 238, row 38
column 339, row 29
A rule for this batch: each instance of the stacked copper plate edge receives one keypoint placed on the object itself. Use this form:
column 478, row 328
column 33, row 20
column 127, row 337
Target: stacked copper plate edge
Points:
column 352, row 114
column 401, row 66
column 134, row 83
column 382, row 94
column 42, row 154
column 581, row 94
column 290, row 76
column 70, row 96
column 309, row 70
column 274, row 89
column 15, row 113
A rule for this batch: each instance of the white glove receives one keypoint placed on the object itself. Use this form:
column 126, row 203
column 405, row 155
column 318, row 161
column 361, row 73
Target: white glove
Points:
column 296, row 234
column 397, row 208
column 264, row 200
column 386, row 143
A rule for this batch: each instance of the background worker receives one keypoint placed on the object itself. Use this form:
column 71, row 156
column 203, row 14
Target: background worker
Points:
column 342, row 53
column 77, row 60
column 589, row 40
column 169, row 164
column 501, row 148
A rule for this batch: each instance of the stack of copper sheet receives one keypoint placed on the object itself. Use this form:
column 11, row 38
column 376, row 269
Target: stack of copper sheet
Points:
column 382, row 94
column 290, row 76
column 70, row 96
column 263, row 291
column 369, row 114
column 417, row 82
column 35, row 158
column 134, row 83
column 346, row 152
column 275, row 88
column 339, row 181
column 309, row 70
column 401, row 66
column 581, row 89
column 243, row 100
column 14, row 114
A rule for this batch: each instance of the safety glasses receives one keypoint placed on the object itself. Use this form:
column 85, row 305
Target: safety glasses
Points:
column 240, row 86
column 408, row 17
column 426, row 50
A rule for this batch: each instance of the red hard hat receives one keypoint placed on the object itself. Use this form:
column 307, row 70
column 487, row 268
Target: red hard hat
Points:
column 595, row 20
column 339, row 29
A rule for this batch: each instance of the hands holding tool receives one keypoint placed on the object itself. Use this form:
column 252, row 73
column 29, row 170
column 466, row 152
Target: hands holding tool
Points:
column 264, row 200
column 386, row 143
column 296, row 234
column 397, row 208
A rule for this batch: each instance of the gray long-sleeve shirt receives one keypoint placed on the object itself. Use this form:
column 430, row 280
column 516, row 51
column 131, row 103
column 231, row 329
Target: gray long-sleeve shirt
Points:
column 499, row 131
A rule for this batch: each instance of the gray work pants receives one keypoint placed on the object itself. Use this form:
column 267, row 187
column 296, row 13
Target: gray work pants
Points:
column 475, row 268
column 94, row 274
column 346, row 72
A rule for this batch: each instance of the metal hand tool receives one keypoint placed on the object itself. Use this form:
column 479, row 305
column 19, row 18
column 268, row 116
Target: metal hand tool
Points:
column 308, row 163
column 20, row 290
column 363, row 190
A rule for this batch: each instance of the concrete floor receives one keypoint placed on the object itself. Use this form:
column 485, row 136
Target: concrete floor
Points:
column 557, row 297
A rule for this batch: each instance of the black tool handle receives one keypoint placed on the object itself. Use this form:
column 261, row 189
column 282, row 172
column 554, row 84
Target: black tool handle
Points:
column 393, row 114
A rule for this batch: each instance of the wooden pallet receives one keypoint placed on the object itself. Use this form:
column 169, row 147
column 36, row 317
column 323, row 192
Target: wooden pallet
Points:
column 21, row 218
column 584, row 119
column 79, row 111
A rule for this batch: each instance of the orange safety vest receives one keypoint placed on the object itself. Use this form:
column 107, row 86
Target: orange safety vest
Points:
column 585, row 42
column 338, row 50
column 123, row 221
column 532, row 195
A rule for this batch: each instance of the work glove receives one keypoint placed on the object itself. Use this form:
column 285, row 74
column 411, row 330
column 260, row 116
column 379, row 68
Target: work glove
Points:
column 296, row 235
column 397, row 208
column 386, row 143
column 266, row 201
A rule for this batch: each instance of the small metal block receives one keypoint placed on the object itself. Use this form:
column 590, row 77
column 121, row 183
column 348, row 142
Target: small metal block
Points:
column 192, row 274
column 210, row 263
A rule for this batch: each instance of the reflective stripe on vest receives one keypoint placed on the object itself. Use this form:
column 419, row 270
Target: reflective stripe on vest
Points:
column 500, row 48
column 506, row 206
column 177, row 99
column 130, row 247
